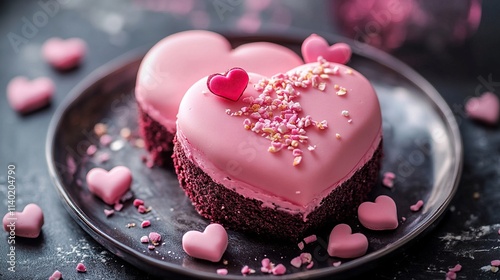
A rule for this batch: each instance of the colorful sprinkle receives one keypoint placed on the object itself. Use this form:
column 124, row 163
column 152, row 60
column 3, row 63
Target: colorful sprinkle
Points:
column 310, row 239
column 144, row 239
column 310, row 265
column 345, row 113
column 388, row 179
column 495, row 262
column 57, row 275
column 301, row 245
column 118, row 207
column 279, row 270
column 337, row 264
column 276, row 115
column 130, row 225
column 106, row 139
column 109, row 212
column 91, row 150
column 145, row 223
column 247, row 270
column 222, row 271
column 155, row 238
column 100, row 129
column 138, row 202
column 417, row 206
column 151, row 247
column 296, row 262
column 80, row 267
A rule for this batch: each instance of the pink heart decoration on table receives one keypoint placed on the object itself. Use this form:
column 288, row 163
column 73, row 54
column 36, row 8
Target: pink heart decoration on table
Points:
column 25, row 224
column 26, row 96
column 315, row 46
column 109, row 186
column 484, row 108
column 64, row 54
column 229, row 85
column 344, row 244
column 379, row 215
column 208, row 245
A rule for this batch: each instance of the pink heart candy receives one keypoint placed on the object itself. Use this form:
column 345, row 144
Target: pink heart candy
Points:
column 344, row 244
column 484, row 108
column 229, row 85
column 315, row 46
column 24, row 224
column 208, row 245
column 379, row 215
column 64, row 54
column 26, row 96
column 109, row 186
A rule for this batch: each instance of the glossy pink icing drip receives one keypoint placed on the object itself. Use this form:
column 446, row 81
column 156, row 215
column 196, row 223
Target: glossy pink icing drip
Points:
column 176, row 62
column 222, row 148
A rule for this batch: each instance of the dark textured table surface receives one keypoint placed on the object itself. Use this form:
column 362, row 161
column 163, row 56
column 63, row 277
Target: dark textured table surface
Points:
column 468, row 233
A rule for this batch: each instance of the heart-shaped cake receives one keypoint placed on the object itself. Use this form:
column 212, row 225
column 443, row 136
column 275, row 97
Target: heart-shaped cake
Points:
column 295, row 151
column 179, row 60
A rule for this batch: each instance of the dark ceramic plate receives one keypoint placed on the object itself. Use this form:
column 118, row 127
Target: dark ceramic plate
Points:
column 421, row 144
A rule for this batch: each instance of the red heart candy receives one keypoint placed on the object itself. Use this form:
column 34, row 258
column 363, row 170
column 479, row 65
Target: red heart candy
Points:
column 24, row 224
column 230, row 85
column 109, row 186
column 344, row 244
column 208, row 245
column 315, row 46
column 64, row 54
column 25, row 96
column 484, row 108
column 379, row 215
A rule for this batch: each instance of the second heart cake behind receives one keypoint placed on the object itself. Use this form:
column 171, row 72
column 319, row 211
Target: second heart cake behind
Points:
column 294, row 152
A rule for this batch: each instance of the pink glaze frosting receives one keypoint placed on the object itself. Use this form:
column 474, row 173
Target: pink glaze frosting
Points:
column 291, row 180
column 179, row 60
column 344, row 244
column 379, row 215
column 208, row 245
column 24, row 224
column 109, row 186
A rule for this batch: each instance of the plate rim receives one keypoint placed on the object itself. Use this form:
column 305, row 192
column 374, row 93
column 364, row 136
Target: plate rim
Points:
column 358, row 48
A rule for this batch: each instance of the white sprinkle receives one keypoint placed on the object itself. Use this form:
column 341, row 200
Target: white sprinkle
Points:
column 345, row 113
column 117, row 145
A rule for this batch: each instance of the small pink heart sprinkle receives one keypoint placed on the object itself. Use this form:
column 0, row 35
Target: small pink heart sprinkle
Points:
column 109, row 212
column 296, row 262
column 109, row 186
column 417, row 206
column 144, row 239
column 229, row 85
column 495, row 262
column 222, row 271
column 279, row 270
column 57, row 275
column 484, row 108
column 344, row 244
column 80, row 267
column 315, row 46
column 24, row 224
column 154, row 237
column 26, row 96
column 138, row 202
column 145, row 223
column 379, row 215
column 64, row 54
column 208, row 245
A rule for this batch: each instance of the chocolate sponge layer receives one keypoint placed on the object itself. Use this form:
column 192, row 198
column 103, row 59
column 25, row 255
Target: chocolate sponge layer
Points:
column 222, row 205
column 157, row 139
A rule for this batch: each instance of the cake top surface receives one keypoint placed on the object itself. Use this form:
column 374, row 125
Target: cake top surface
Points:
column 179, row 60
column 330, row 110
